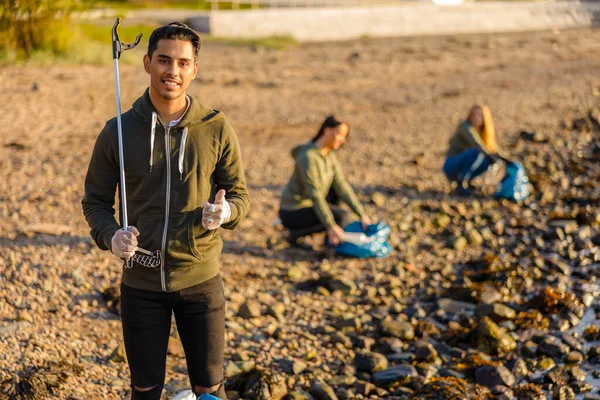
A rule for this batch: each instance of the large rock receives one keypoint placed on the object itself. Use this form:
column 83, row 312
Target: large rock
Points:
column 425, row 352
column 250, row 309
column 399, row 329
column 492, row 339
column 370, row 362
column 455, row 306
column 553, row 348
column 322, row 391
column 493, row 375
column 401, row 374
column 496, row 312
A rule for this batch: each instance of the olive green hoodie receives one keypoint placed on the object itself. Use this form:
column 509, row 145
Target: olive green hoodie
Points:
column 165, row 194
column 314, row 174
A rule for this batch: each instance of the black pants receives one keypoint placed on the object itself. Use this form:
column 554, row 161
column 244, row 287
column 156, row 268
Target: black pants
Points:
column 200, row 316
column 305, row 221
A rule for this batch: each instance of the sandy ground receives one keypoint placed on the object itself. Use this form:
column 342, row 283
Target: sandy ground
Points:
column 402, row 97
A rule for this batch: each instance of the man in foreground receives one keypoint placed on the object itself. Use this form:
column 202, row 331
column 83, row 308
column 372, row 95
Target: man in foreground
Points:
column 184, row 179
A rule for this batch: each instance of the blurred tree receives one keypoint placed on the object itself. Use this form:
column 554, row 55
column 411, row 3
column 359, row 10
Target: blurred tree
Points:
column 27, row 26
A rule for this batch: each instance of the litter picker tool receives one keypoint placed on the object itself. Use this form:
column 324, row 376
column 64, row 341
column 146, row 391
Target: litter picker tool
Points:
column 143, row 257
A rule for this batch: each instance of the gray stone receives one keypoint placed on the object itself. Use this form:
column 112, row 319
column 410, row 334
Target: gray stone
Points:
column 496, row 311
column 370, row 362
column 492, row 339
column 388, row 345
column 299, row 394
column 573, row 357
column 520, row 368
column 552, row 347
column 341, row 338
column 399, row 329
column 344, row 285
column 231, row 369
column 425, row 352
column 293, row 366
column 401, row 374
column 455, row 307
column 490, row 376
column 250, row 309
column 322, row 391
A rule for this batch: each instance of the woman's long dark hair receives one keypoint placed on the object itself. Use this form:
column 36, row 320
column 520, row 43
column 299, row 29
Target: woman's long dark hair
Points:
column 330, row 122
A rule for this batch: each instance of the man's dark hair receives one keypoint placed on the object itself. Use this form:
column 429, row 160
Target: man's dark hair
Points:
column 174, row 31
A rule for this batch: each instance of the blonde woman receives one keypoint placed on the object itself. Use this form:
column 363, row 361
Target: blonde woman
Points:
column 473, row 148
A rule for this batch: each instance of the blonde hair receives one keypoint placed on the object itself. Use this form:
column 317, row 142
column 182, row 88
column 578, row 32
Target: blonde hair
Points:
column 487, row 132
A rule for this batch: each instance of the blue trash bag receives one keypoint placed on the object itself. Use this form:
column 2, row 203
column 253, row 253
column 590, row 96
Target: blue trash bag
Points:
column 376, row 244
column 206, row 396
column 515, row 184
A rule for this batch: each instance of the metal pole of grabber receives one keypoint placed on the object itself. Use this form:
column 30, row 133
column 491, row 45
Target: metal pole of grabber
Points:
column 118, row 49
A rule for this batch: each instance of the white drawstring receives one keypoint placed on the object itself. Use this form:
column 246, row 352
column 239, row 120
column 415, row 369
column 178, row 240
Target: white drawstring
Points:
column 182, row 152
column 152, row 135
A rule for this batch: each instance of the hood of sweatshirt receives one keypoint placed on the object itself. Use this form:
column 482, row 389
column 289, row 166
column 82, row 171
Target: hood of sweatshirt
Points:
column 298, row 150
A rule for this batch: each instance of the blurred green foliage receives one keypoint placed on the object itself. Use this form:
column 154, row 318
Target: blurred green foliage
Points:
column 28, row 26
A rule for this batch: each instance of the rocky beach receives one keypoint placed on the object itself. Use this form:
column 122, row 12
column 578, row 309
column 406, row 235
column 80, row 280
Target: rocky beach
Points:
column 480, row 299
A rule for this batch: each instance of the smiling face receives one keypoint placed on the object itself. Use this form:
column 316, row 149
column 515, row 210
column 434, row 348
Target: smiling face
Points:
column 172, row 68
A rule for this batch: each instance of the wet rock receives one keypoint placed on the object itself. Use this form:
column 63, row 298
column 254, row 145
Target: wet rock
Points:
column 573, row 357
column 250, row 309
column 441, row 220
column 299, row 394
column 519, row 368
column 340, row 338
column 293, row 366
column 425, row 352
column 369, row 361
column 322, row 391
column 496, row 312
column 492, row 339
column 552, row 347
column 454, row 306
column 378, row 199
column 364, row 388
column 399, row 329
column 118, row 354
column 364, row 342
column 344, row 285
column 398, row 373
column 231, row 369
column 571, row 341
column 390, row 345
column 460, row 243
column 474, row 237
column 492, row 375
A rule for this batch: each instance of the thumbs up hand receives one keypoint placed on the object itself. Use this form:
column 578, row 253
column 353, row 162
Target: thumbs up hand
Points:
column 214, row 215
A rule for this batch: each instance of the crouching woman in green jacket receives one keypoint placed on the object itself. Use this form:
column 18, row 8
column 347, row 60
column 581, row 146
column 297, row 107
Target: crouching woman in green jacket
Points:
column 310, row 200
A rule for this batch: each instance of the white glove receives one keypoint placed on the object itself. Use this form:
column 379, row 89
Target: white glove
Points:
column 124, row 242
column 215, row 215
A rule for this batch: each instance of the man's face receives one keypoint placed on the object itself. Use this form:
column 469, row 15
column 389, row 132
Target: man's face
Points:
column 172, row 68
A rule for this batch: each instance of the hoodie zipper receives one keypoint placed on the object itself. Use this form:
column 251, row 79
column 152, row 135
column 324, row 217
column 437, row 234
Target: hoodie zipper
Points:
column 167, row 207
